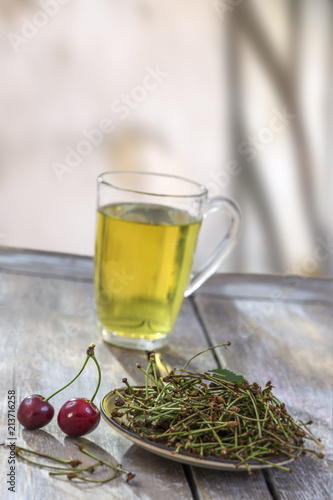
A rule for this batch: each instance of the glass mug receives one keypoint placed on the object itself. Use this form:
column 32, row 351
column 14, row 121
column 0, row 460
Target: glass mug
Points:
column 146, row 235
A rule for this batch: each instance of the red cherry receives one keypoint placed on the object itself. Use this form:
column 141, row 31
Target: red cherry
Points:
column 34, row 412
column 78, row 417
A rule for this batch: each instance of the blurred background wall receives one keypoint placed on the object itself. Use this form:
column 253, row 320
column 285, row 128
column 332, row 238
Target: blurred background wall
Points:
column 233, row 94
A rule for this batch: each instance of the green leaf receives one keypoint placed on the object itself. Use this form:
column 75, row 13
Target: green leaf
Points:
column 228, row 375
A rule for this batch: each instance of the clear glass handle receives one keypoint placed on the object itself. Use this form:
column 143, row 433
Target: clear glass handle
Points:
column 231, row 208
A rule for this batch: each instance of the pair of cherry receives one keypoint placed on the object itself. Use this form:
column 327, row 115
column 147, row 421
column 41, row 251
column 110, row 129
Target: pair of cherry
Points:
column 76, row 417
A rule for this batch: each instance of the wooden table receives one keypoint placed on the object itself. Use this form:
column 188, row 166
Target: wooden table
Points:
column 280, row 329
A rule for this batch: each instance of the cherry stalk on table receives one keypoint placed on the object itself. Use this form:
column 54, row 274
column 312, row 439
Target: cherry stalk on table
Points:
column 76, row 417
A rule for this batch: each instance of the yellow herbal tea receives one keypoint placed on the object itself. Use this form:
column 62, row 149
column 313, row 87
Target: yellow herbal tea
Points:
column 143, row 260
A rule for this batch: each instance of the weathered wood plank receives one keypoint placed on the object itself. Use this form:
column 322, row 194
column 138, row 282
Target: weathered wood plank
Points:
column 270, row 288
column 291, row 344
column 35, row 263
column 214, row 485
column 45, row 328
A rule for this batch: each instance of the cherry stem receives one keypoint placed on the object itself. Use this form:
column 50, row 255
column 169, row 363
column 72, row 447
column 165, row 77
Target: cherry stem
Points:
column 18, row 449
column 82, row 478
column 39, row 464
column 226, row 344
column 117, row 468
column 90, row 354
column 99, row 378
column 90, row 468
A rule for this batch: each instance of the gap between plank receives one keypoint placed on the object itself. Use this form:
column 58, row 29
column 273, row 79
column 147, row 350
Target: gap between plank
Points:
column 268, row 476
column 36, row 274
column 293, row 300
column 188, row 471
